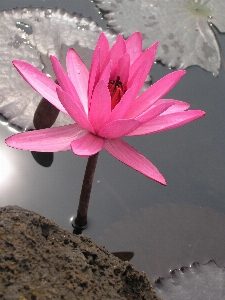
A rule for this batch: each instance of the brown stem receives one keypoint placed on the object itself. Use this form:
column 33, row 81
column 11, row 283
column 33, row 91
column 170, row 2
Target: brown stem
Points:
column 81, row 219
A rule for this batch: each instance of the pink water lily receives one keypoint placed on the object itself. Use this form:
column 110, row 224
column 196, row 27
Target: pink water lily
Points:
column 106, row 103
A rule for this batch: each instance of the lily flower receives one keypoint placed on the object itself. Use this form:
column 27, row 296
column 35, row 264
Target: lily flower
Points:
column 105, row 103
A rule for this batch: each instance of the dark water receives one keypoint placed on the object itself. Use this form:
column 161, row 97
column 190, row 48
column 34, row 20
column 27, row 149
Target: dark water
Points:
column 166, row 227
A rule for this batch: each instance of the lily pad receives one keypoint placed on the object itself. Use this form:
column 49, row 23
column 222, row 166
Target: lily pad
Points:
column 183, row 28
column 195, row 282
column 32, row 34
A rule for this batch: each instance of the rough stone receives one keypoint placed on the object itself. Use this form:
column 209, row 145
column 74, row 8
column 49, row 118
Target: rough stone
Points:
column 40, row 260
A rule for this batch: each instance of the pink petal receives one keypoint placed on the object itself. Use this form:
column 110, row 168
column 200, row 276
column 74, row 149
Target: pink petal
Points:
column 168, row 121
column 106, row 73
column 75, row 111
column 103, row 46
column 118, row 128
column 100, row 108
column 118, row 50
column 155, row 111
column 99, row 61
column 129, row 156
column 121, row 69
column 149, row 55
column 178, row 106
column 134, row 46
column 94, row 73
column 87, row 145
column 47, row 140
column 45, row 86
column 121, row 108
column 141, row 75
column 154, row 93
column 79, row 75
column 63, row 79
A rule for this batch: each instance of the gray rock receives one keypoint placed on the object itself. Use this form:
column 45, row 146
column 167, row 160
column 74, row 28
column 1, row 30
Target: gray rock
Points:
column 39, row 260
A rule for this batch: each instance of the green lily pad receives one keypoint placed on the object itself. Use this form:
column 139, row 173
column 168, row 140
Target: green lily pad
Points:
column 183, row 28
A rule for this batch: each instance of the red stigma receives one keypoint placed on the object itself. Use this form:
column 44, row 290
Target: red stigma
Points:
column 117, row 89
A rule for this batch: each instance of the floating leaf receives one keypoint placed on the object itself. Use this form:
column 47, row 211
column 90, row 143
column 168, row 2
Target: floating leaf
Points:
column 183, row 28
column 193, row 283
column 32, row 34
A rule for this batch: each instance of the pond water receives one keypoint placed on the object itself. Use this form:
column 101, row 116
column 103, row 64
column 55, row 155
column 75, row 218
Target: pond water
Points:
column 166, row 227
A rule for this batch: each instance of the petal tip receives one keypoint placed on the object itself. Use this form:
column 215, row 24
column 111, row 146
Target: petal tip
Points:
column 203, row 113
column 163, row 182
column 159, row 179
column 53, row 58
column 7, row 141
column 155, row 44
column 19, row 63
column 15, row 61
column 71, row 51
column 10, row 141
column 182, row 72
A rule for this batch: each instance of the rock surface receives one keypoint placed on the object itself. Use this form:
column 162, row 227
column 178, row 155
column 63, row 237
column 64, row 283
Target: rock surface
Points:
column 39, row 260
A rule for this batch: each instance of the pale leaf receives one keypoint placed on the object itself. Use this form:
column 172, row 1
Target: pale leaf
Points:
column 183, row 28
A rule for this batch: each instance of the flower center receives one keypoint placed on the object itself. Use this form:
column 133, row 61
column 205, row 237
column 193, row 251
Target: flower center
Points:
column 117, row 89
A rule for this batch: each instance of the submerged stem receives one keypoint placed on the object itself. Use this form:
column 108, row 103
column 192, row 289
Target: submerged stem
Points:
column 80, row 222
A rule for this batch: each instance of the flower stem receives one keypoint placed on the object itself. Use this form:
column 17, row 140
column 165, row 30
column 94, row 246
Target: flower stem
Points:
column 80, row 222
